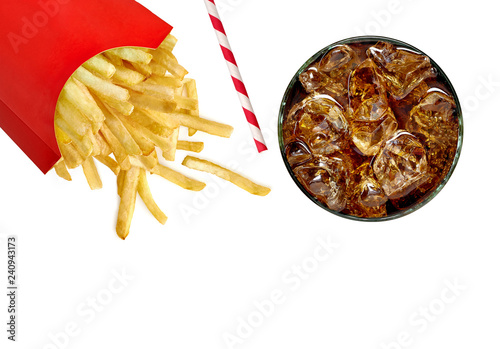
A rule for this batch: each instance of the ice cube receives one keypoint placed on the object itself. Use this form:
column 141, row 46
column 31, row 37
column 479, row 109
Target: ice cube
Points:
column 368, row 191
column 401, row 165
column 312, row 79
column 434, row 116
column 297, row 152
column 339, row 61
column 368, row 136
column 367, row 94
column 327, row 179
column 322, row 125
column 401, row 69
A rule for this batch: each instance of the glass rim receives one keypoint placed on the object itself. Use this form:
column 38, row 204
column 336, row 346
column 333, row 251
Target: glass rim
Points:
column 401, row 44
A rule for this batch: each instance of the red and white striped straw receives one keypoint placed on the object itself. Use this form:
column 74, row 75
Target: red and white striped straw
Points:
column 235, row 74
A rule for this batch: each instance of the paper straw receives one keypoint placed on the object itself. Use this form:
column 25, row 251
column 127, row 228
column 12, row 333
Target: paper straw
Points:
column 236, row 76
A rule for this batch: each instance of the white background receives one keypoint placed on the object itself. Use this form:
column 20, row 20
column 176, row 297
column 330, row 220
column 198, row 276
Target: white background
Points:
column 196, row 278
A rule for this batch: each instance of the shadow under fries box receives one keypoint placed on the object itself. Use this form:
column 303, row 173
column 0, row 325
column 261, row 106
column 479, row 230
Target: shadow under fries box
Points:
column 42, row 43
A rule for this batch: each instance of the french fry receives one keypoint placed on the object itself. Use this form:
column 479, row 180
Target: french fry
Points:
column 168, row 81
column 62, row 171
column 127, row 76
column 166, row 60
column 105, row 150
column 109, row 162
column 151, row 103
column 100, row 86
column 207, row 126
column 120, row 180
column 79, row 123
column 146, row 145
column 169, row 43
column 115, row 145
column 81, row 99
column 113, row 59
column 123, row 107
column 186, row 103
column 195, row 147
column 170, row 146
column 221, row 172
column 61, row 136
column 71, row 156
column 161, row 141
column 100, row 65
column 191, row 92
column 158, row 69
column 132, row 55
column 151, row 116
column 149, row 161
column 144, row 69
column 147, row 198
column 90, row 171
column 96, row 149
column 155, row 90
column 127, row 203
column 143, row 118
column 178, row 178
column 121, row 133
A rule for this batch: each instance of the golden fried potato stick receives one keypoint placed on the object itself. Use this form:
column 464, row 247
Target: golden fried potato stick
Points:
column 127, row 76
column 65, row 111
column 178, row 178
column 124, row 107
column 79, row 96
column 82, row 144
column 185, row 103
column 169, row 43
column 203, row 125
column 191, row 92
column 120, row 179
column 64, row 130
column 147, row 198
column 96, row 149
column 62, row 170
column 105, row 150
column 91, row 173
column 151, row 103
column 167, row 60
column 61, row 136
column 195, row 147
column 130, row 54
column 168, row 81
column 101, row 86
column 120, row 131
column 150, row 161
column 109, row 162
column 147, row 146
column 150, row 88
column 169, row 147
column 144, row 69
column 149, row 118
column 71, row 156
column 157, row 134
column 100, row 65
column 116, row 147
column 158, row 69
column 113, row 59
column 224, row 173
column 127, row 202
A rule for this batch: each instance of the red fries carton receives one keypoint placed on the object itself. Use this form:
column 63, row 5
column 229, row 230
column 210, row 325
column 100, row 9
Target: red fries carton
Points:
column 42, row 42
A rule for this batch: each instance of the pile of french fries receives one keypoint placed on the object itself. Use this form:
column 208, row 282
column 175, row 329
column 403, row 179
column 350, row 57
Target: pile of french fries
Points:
column 118, row 108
